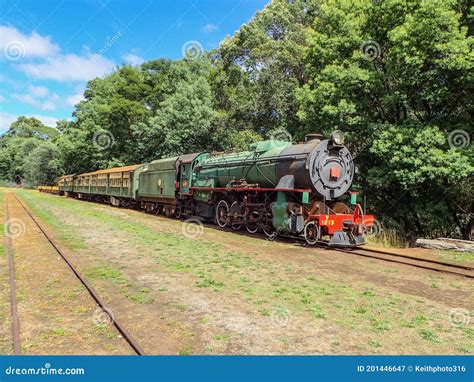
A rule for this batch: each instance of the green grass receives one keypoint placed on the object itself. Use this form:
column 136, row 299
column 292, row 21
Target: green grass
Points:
column 105, row 272
column 261, row 283
column 208, row 282
column 456, row 256
column 429, row 335
column 222, row 337
column 374, row 344
column 205, row 319
column 187, row 350
column 55, row 332
column 143, row 296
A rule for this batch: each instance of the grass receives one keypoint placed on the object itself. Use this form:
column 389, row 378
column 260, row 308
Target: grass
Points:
column 106, row 272
column 5, row 343
column 456, row 256
column 143, row 296
column 208, row 282
column 187, row 350
column 388, row 238
column 374, row 344
column 264, row 284
column 222, row 337
column 205, row 319
column 55, row 332
column 429, row 335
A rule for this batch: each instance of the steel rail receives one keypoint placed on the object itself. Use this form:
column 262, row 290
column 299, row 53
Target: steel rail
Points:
column 127, row 336
column 360, row 252
column 465, row 267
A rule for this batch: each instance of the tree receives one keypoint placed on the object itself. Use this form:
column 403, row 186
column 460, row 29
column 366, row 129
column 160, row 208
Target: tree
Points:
column 186, row 121
column 31, row 128
column 396, row 76
column 263, row 64
column 23, row 136
column 42, row 165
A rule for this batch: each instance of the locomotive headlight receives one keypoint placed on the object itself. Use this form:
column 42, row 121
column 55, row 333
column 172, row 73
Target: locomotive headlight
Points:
column 338, row 137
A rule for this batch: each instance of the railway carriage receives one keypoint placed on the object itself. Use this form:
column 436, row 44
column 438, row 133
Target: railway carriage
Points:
column 275, row 187
column 112, row 185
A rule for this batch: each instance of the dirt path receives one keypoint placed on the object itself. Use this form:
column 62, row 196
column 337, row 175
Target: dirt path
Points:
column 227, row 293
column 57, row 315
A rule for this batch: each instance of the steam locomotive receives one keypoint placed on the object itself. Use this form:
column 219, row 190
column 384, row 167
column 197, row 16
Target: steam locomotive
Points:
column 275, row 187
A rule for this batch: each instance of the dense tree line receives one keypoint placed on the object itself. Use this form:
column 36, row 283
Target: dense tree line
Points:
column 395, row 75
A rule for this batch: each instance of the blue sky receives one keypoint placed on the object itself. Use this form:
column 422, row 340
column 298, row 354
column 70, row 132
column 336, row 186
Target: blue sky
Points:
column 50, row 49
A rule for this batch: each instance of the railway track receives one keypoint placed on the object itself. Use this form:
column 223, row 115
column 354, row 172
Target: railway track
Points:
column 428, row 264
column 414, row 261
column 13, row 296
column 15, row 317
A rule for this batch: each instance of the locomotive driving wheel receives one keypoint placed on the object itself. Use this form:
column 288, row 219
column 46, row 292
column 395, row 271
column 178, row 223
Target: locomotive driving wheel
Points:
column 312, row 233
column 236, row 213
column 268, row 228
column 222, row 214
column 252, row 226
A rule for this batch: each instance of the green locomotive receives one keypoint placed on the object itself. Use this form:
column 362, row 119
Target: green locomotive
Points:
column 275, row 187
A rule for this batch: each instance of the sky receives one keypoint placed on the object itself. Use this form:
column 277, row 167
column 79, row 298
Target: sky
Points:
column 50, row 49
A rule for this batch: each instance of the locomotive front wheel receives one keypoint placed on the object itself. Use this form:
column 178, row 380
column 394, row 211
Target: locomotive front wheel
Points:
column 312, row 233
column 222, row 214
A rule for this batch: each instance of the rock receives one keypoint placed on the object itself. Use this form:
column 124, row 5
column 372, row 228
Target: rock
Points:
column 446, row 243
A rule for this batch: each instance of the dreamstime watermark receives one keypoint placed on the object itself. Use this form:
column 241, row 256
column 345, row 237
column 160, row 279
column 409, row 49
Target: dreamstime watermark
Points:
column 192, row 50
column 459, row 139
column 14, row 50
column 103, row 316
column 370, row 50
column 275, row 233
column 14, row 228
column 103, row 139
column 280, row 317
column 109, row 41
column 459, row 316
column 192, row 228
column 43, row 370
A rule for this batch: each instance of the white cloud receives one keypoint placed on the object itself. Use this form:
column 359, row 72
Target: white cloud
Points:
column 45, row 105
column 48, row 106
column 133, row 59
column 26, row 98
column 50, row 63
column 208, row 28
column 74, row 99
column 32, row 45
column 38, row 91
column 6, row 119
column 48, row 121
column 70, row 67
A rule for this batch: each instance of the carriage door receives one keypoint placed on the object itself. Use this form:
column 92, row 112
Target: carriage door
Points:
column 185, row 181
